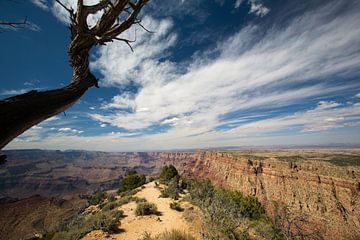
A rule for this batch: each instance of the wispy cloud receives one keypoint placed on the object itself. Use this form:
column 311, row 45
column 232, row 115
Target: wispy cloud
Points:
column 43, row 4
column 238, row 3
column 206, row 101
column 258, row 8
column 284, row 66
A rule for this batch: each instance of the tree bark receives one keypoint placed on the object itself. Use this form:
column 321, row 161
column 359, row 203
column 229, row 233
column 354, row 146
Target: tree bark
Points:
column 19, row 113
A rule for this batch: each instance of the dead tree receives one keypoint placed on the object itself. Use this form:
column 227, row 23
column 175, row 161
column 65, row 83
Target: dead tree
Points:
column 21, row 112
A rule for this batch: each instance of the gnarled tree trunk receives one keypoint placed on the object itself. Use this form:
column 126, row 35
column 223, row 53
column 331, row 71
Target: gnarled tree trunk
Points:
column 19, row 113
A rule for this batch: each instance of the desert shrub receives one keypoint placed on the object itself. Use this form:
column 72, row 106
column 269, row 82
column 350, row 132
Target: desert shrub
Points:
column 128, row 193
column 201, row 192
column 110, row 206
column 172, row 190
column 97, row 198
column 125, row 200
column 111, row 198
column 226, row 210
column 292, row 225
column 106, row 221
column 176, row 206
column 145, row 208
column 172, row 235
column 131, row 182
column 167, row 173
column 131, row 172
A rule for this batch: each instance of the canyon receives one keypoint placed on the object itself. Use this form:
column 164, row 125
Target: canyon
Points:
column 323, row 185
column 329, row 195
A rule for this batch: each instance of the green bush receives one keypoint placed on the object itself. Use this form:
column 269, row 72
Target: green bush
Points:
column 167, row 173
column 201, row 192
column 225, row 209
column 109, row 206
column 176, row 206
column 106, row 221
column 131, row 182
column 131, row 172
column 173, row 188
column 145, row 208
column 97, row 198
column 172, row 235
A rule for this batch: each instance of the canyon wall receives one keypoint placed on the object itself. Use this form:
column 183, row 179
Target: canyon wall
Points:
column 329, row 194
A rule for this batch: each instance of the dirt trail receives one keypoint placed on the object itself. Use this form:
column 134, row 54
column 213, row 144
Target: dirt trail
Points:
column 134, row 226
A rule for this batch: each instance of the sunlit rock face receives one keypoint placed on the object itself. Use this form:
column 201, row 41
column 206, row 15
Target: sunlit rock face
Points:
column 330, row 194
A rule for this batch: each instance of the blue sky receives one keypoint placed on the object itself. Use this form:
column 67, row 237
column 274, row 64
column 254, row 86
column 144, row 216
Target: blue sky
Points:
column 214, row 73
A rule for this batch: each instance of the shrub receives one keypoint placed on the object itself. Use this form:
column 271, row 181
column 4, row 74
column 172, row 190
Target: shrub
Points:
column 225, row 209
column 167, row 173
column 131, row 172
column 131, row 182
column 125, row 200
column 97, row 198
column 176, row 206
column 201, row 192
column 145, row 208
column 173, row 189
column 109, row 206
column 106, row 221
column 172, row 235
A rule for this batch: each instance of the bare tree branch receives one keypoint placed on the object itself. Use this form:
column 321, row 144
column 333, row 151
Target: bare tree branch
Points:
column 21, row 112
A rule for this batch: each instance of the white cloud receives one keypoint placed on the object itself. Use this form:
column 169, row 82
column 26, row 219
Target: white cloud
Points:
column 142, row 66
column 327, row 105
column 120, row 102
column 285, row 66
column 292, row 64
column 63, row 15
column 357, row 95
column 41, row 4
column 310, row 123
column 238, row 3
column 67, row 129
column 318, row 119
column 103, row 125
column 257, row 8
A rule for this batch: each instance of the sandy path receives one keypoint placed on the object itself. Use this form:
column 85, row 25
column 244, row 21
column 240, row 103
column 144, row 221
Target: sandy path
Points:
column 135, row 226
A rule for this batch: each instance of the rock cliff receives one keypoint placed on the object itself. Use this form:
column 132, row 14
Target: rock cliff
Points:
column 330, row 194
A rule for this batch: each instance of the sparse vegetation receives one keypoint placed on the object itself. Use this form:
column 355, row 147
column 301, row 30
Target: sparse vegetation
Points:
column 173, row 189
column 145, row 208
column 97, row 198
column 226, row 211
column 172, row 235
column 110, row 206
column 131, row 182
column 345, row 160
column 106, row 221
column 176, row 206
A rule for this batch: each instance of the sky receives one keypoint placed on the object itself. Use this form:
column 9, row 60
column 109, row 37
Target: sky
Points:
column 213, row 73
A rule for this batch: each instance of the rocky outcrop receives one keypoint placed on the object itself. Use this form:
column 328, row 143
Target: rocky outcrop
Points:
column 329, row 194
column 36, row 215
